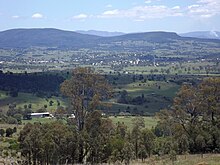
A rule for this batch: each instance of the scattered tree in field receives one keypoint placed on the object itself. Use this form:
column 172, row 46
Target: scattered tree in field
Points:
column 85, row 89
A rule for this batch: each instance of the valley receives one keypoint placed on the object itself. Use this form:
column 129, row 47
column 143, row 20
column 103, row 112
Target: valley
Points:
column 155, row 97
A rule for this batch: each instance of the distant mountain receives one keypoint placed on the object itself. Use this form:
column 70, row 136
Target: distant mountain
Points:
column 22, row 38
column 60, row 39
column 100, row 33
column 158, row 36
column 202, row 34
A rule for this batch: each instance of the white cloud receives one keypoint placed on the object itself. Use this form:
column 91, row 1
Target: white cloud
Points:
column 108, row 6
column 139, row 20
column 80, row 16
column 200, row 9
column 15, row 17
column 176, row 7
column 37, row 16
column 140, row 13
column 111, row 13
column 193, row 6
column 147, row 1
column 204, row 9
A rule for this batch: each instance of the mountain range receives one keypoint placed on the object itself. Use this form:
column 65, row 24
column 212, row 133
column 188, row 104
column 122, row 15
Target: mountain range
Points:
column 100, row 33
column 195, row 34
column 25, row 38
column 202, row 34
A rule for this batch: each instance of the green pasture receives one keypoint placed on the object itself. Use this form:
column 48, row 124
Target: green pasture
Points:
column 39, row 120
column 185, row 68
column 158, row 95
column 36, row 102
column 147, row 109
column 127, row 120
column 149, row 122
column 151, row 87
column 154, row 92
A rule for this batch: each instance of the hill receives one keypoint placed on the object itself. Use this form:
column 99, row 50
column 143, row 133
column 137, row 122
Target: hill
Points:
column 158, row 36
column 23, row 38
column 202, row 34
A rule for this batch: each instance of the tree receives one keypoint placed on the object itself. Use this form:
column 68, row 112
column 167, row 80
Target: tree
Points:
column 49, row 143
column 147, row 140
column 2, row 132
column 195, row 116
column 18, row 117
column 209, row 90
column 128, row 152
column 85, row 89
column 138, row 124
column 9, row 132
column 98, row 135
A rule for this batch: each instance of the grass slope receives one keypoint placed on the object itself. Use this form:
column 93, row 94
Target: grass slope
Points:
column 208, row 159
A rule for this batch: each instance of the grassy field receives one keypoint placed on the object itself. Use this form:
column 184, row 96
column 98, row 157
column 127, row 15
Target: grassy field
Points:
column 186, row 68
column 127, row 120
column 158, row 95
column 155, row 87
column 27, row 98
column 207, row 159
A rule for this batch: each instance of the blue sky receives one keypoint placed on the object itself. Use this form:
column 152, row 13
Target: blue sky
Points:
column 115, row 15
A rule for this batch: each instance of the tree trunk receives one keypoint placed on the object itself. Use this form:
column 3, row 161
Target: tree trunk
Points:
column 81, row 153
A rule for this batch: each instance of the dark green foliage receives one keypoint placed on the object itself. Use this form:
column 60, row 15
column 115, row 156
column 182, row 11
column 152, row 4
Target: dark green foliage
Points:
column 9, row 132
column 194, row 119
column 13, row 93
column 40, row 84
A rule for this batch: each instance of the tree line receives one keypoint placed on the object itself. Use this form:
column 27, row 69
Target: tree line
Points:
column 40, row 84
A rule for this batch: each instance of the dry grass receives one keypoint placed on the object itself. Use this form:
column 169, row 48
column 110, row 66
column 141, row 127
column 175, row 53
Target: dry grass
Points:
column 207, row 159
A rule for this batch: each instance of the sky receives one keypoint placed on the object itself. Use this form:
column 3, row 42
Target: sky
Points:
column 112, row 15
